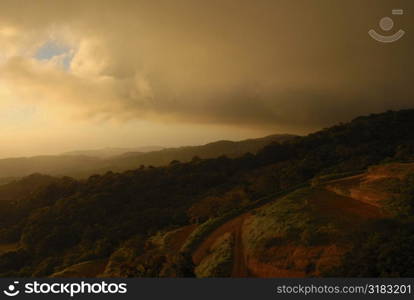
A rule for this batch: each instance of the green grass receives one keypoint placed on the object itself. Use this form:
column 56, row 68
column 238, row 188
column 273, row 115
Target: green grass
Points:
column 206, row 228
column 203, row 230
column 291, row 219
column 220, row 261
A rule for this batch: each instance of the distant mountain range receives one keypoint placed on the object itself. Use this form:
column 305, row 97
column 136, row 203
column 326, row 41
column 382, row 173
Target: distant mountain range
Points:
column 108, row 152
column 83, row 163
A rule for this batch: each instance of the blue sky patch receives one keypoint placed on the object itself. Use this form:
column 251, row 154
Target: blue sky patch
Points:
column 51, row 49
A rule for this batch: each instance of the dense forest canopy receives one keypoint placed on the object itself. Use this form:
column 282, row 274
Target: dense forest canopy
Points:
column 59, row 222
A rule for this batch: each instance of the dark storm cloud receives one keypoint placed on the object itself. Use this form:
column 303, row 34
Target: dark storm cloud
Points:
column 273, row 64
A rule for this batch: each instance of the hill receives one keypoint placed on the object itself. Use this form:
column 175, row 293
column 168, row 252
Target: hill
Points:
column 338, row 202
column 82, row 164
column 307, row 232
column 230, row 149
column 109, row 152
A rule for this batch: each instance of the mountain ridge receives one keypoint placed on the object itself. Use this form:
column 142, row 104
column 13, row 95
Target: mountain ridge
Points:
column 134, row 219
column 111, row 151
column 82, row 166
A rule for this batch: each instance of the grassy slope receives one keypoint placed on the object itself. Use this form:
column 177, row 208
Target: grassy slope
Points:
column 308, row 231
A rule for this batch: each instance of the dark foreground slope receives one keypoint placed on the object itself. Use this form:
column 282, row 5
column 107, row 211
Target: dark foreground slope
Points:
column 356, row 225
column 122, row 219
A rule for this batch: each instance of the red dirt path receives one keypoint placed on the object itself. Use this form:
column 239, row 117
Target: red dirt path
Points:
column 234, row 227
column 326, row 201
column 340, row 206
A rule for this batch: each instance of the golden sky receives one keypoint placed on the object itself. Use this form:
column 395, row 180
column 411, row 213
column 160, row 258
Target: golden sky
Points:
column 90, row 74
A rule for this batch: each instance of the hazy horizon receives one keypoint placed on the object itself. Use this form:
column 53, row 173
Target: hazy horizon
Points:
column 90, row 74
column 69, row 149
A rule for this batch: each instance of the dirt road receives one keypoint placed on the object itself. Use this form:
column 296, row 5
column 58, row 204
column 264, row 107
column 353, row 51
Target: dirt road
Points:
column 233, row 227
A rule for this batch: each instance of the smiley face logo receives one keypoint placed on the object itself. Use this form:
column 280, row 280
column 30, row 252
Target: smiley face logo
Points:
column 386, row 24
column 11, row 290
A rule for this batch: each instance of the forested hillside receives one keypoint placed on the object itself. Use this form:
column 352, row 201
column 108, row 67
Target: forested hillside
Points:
column 57, row 223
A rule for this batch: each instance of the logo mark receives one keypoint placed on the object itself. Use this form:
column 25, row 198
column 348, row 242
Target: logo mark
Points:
column 386, row 24
column 11, row 290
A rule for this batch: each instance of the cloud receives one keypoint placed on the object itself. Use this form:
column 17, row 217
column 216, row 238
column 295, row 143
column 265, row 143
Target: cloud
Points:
column 265, row 64
column 47, row 84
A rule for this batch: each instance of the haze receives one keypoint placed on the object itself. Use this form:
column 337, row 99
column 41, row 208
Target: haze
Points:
column 89, row 74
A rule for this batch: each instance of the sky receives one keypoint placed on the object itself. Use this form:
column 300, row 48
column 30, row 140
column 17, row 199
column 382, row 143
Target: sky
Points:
column 91, row 74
